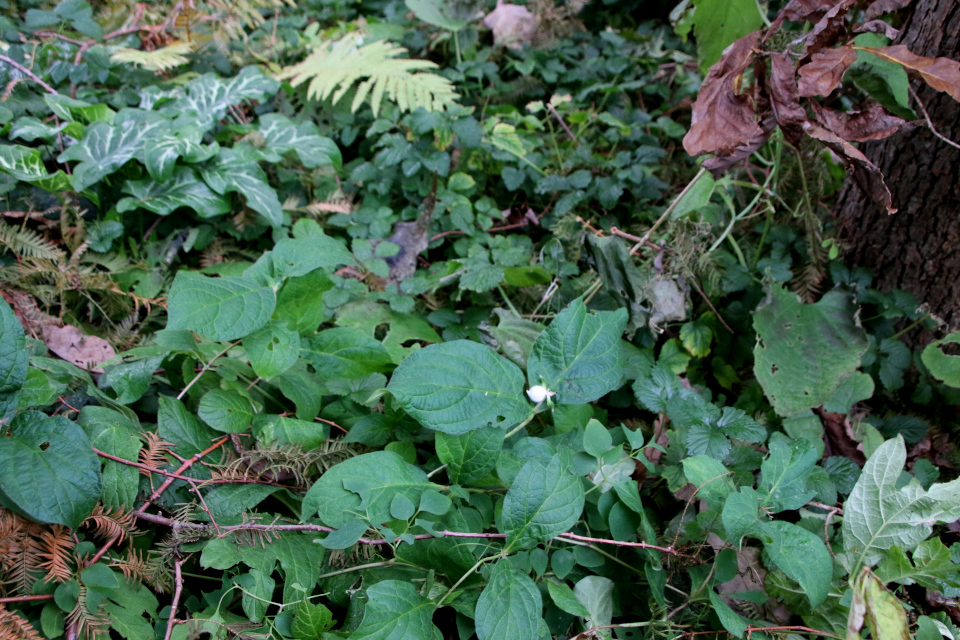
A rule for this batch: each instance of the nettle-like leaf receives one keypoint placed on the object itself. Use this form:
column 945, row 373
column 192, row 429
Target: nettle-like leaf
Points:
column 219, row 309
column 543, row 501
column 395, row 610
column 364, row 487
column 710, row 427
column 13, row 360
column 48, row 470
column 509, row 606
column 333, row 68
column 578, row 355
column 459, row 386
column 806, row 352
column 345, row 353
column 785, row 473
column 878, row 516
column 931, row 566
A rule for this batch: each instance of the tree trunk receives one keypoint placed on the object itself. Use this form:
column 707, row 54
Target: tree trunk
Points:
column 918, row 248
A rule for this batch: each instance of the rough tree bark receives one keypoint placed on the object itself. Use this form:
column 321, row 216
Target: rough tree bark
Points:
column 917, row 249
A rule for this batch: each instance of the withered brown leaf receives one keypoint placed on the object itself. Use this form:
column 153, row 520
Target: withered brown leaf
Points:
column 866, row 174
column 829, row 30
column 86, row 352
column 824, row 72
column 723, row 119
column 785, row 96
column 880, row 7
column 872, row 123
column 943, row 74
column 810, row 10
column 878, row 26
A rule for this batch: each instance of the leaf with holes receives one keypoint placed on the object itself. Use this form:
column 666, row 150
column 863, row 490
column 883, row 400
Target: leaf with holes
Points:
column 272, row 349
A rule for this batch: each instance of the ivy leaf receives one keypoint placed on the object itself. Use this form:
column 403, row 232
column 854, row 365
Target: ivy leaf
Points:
column 578, row 355
column 13, row 360
column 219, row 309
column 395, row 611
column 509, row 606
column 800, row 554
column 272, row 349
column 878, row 515
column 225, row 411
column 932, row 565
column 366, row 483
column 111, row 432
column 470, row 456
column 183, row 189
column 784, row 473
column 543, row 501
column 48, row 470
column 459, row 386
column 310, row 621
column 345, row 353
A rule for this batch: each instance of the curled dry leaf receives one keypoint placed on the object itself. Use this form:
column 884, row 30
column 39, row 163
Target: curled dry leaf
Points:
column 71, row 344
column 866, row 174
column 723, row 119
column 878, row 26
column 829, row 29
column 880, row 7
column 943, row 74
column 809, row 10
column 824, row 72
column 785, row 96
column 872, row 123
column 512, row 24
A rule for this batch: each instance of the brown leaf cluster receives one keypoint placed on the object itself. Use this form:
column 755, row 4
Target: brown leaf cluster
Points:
column 31, row 552
column 13, row 627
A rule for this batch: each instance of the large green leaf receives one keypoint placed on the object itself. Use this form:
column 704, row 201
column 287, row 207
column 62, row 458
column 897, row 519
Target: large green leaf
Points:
column 543, row 501
column 225, row 411
column 459, row 386
column 111, row 432
column 578, row 355
column 711, row 479
column 596, row 595
column 345, row 353
column 270, row 429
column 177, row 425
column 219, row 309
column 299, row 256
column 13, row 360
column 26, row 164
column 300, row 301
column 509, row 606
column 878, row 515
column 310, row 621
column 366, row 483
column 208, row 97
column 282, row 137
column 784, row 474
column 717, row 23
column 806, row 351
column 233, row 172
column 800, row 554
column 395, row 611
column 182, row 189
column 943, row 366
column 48, row 470
column 470, row 456
column 273, row 349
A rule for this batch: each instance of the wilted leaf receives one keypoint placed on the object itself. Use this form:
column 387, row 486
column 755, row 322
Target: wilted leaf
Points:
column 879, row 26
column 810, row 10
column 943, row 74
column 829, row 29
column 511, row 24
column 68, row 342
column 879, row 7
column 785, row 95
column 824, row 72
column 873, row 123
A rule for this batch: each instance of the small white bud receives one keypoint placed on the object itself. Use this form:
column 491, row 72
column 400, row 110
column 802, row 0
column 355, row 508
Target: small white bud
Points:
column 539, row 393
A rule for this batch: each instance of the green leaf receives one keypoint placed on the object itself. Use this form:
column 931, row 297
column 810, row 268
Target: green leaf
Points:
column 48, row 470
column 395, row 611
column 300, row 301
column 882, row 610
column 596, row 595
column 509, row 606
column 596, row 439
column 806, row 351
column 784, row 473
column 230, row 500
column 233, row 173
column 111, row 432
column 543, row 501
column 177, row 425
column 711, row 479
column 459, row 386
column 436, row 13
column 942, row 366
column 99, row 575
column 696, row 338
column 732, row 621
column 282, row 137
column 578, row 355
column 718, row 23
column 226, row 411
column 310, row 621
column 878, row 515
column 27, row 165
column 345, row 353
column 271, row 429
column 183, row 189
column 294, row 257
column 257, row 587
column 470, row 456
column 300, row 558
column 563, row 597
column 219, row 309
column 13, row 360
column 272, row 349
column 800, row 554
column 107, row 147
column 740, row 514
column 932, row 563
column 366, row 483
column 208, row 97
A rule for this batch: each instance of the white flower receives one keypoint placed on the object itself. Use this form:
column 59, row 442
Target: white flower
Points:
column 538, row 393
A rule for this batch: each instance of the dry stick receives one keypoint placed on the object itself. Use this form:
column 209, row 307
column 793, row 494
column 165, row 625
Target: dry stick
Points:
column 178, row 581
column 26, row 598
column 926, row 116
column 29, row 74
column 693, row 281
column 563, row 124
column 669, row 210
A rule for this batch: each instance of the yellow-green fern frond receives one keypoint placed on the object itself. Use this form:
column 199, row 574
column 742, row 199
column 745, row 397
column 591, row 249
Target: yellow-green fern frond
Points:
column 334, row 67
column 28, row 243
column 163, row 59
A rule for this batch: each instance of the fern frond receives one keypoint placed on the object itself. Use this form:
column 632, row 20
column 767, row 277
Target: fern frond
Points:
column 163, row 59
column 28, row 243
column 109, row 523
column 57, row 544
column 88, row 625
column 13, row 627
column 334, row 67
column 20, row 551
column 153, row 455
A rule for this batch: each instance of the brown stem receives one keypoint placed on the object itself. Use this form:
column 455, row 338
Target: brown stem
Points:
column 693, row 281
column 178, row 581
column 563, row 124
column 926, row 117
column 26, row 598
column 29, row 74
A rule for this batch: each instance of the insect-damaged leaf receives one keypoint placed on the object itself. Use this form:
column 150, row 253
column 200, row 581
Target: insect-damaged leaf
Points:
column 943, row 74
column 824, row 72
column 722, row 118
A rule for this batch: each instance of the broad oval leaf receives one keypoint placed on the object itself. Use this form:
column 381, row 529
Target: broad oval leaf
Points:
column 470, row 456
column 801, row 555
column 578, row 355
column 459, row 386
column 395, row 611
column 543, row 501
column 48, row 470
column 226, row 411
column 219, row 309
column 345, row 353
column 509, row 606
column 273, row 349
column 111, row 432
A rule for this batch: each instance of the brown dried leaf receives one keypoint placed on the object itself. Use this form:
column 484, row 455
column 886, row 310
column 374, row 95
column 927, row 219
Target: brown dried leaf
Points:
column 785, row 96
column 68, row 342
column 879, row 7
column 810, row 10
column 722, row 119
column 829, row 30
column 512, row 24
column 878, row 26
column 943, row 74
column 872, row 123
column 824, row 72
column 866, row 174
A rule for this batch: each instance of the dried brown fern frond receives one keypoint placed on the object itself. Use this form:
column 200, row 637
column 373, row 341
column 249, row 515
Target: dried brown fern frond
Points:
column 86, row 624
column 108, row 524
column 281, row 463
column 20, row 551
column 149, row 569
column 807, row 283
column 154, row 453
column 57, row 545
column 13, row 627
